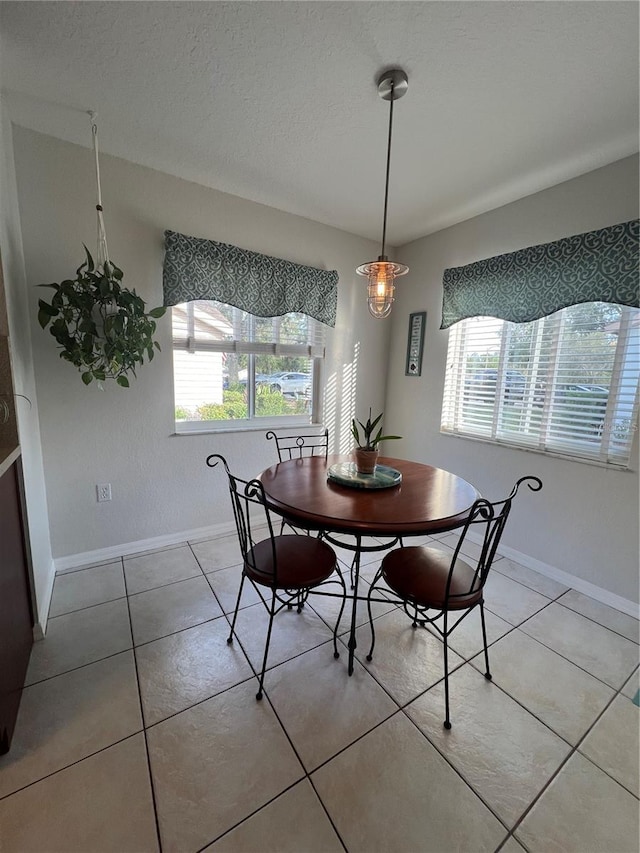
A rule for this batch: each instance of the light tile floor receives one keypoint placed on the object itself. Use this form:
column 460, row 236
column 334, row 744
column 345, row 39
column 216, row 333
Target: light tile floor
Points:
column 139, row 729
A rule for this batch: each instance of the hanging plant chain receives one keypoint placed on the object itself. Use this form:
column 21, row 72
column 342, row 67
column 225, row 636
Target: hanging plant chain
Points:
column 102, row 254
column 101, row 328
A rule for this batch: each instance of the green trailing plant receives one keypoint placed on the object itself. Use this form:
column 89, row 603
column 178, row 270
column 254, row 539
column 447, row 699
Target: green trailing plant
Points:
column 369, row 441
column 101, row 327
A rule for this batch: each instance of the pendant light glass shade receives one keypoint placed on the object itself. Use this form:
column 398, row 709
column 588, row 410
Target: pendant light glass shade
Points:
column 383, row 272
column 381, row 287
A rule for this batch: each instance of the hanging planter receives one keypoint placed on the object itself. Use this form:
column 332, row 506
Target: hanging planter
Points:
column 101, row 327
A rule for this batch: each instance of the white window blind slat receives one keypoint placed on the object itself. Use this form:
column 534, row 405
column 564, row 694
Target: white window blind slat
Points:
column 567, row 383
column 231, row 366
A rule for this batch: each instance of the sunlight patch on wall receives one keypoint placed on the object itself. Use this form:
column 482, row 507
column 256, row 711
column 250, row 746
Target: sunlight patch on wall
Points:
column 340, row 403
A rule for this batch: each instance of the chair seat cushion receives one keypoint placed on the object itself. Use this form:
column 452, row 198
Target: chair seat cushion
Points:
column 420, row 574
column 302, row 561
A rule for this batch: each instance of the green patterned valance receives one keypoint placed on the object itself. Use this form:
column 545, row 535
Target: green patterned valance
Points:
column 599, row 266
column 266, row 287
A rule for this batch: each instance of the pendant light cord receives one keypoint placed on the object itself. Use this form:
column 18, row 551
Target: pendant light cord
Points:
column 102, row 256
column 386, row 185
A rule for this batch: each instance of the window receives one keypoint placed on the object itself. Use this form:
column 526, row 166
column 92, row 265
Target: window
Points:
column 566, row 384
column 235, row 369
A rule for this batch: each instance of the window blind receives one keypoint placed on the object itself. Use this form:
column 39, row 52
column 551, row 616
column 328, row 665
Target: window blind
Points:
column 567, row 383
column 209, row 326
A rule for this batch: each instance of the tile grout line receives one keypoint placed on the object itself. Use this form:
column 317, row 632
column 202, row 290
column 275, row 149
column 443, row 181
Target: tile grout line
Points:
column 144, row 728
column 564, row 657
column 307, row 774
column 572, row 748
column 456, row 771
column 80, row 666
column 100, row 564
column 71, row 763
column 595, row 621
column 510, row 833
column 86, row 607
column 255, row 675
column 572, row 751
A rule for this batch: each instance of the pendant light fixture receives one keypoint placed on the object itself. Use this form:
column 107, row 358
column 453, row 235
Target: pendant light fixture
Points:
column 383, row 272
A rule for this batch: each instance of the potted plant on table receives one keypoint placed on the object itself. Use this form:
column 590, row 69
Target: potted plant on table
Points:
column 366, row 452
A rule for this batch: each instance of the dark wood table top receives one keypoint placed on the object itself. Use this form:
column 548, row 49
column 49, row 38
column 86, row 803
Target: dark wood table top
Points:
column 428, row 500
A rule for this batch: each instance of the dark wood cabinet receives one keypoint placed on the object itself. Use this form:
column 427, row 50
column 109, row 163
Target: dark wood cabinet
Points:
column 16, row 620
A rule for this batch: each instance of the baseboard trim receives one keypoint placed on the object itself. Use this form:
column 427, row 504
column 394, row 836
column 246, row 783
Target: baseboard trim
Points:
column 40, row 626
column 625, row 605
column 114, row 552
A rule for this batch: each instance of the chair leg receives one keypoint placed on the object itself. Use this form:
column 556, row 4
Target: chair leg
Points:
column 352, row 573
column 373, row 630
column 235, row 612
column 447, row 721
column 487, row 674
column 272, row 612
column 336, row 653
column 375, row 580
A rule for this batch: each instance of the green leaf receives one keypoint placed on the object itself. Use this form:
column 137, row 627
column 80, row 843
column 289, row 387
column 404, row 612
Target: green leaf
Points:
column 123, row 381
column 90, row 264
column 87, row 377
column 375, row 423
column 60, row 330
column 157, row 312
column 49, row 310
column 43, row 318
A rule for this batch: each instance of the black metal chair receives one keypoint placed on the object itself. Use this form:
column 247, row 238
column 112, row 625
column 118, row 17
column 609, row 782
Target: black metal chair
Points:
column 297, row 446
column 429, row 580
column 290, row 567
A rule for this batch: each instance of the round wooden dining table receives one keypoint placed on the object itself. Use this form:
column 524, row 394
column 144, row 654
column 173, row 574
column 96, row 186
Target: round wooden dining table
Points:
column 428, row 500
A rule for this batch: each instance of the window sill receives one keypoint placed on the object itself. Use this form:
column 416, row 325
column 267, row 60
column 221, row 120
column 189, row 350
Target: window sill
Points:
column 252, row 427
column 551, row 454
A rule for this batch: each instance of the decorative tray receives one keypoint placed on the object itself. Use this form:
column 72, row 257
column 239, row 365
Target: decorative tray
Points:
column 346, row 474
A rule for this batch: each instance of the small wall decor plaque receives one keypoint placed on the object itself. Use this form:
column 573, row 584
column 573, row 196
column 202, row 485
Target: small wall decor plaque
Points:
column 415, row 343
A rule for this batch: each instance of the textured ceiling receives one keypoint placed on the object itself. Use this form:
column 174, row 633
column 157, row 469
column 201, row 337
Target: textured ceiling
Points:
column 276, row 101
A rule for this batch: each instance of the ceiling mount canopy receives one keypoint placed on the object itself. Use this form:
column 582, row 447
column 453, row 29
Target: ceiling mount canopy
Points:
column 382, row 273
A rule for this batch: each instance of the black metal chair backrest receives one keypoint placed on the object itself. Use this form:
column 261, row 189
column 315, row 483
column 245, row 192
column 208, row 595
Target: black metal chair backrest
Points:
column 251, row 515
column 489, row 520
column 297, row 446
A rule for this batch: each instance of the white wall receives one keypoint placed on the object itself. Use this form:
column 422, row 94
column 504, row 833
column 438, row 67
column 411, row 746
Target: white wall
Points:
column 585, row 521
column 23, row 377
column 160, row 483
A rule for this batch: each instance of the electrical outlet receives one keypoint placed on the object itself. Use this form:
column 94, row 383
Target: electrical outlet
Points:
column 104, row 491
